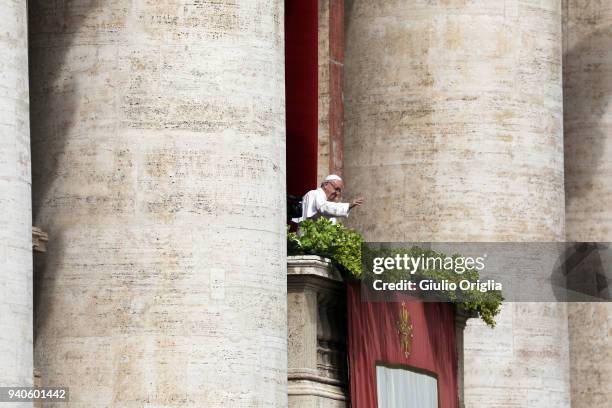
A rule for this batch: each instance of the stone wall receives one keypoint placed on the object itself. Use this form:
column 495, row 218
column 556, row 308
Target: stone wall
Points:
column 159, row 140
column 15, row 200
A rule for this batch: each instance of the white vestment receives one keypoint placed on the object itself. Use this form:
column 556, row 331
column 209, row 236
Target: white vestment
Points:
column 315, row 205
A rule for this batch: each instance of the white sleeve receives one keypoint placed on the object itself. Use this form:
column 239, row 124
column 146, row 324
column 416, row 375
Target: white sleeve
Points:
column 330, row 208
column 310, row 206
column 315, row 202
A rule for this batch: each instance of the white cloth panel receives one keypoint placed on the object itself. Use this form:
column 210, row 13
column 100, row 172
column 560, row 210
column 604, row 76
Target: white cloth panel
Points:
column 402, row 388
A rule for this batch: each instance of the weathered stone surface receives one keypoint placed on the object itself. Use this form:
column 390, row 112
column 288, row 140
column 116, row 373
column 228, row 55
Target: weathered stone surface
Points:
column 316, row 302
column 330, row 148
column 314, row 401
column 590, row 329
column 159, row 139
column 454, row 133
column 39, row 240
column 461, row 318
column 454, row 119
column 324, row 94
column 587, row 72
column 15, row 200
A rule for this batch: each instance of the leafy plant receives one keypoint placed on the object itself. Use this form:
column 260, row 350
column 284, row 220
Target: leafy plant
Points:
column 343, row 246
column 340, row 244
column 486, row 305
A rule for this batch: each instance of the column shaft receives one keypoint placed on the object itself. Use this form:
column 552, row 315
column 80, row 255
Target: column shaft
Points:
column 454, row 133
column 587, row 74
column 159, row 137
column 15, row 200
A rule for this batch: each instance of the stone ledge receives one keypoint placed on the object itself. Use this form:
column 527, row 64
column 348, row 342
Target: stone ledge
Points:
column 39, row 240
column 315, row 389
column 306, row 374
column 461, row 317
column 312, row 265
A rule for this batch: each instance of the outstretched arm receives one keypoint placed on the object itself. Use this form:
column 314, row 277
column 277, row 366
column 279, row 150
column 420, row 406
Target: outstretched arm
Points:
column 332, row 209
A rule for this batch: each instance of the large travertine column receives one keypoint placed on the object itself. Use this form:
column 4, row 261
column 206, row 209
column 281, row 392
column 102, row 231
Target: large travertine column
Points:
column 159, row 135
column 454, row 133
column 587, row 72
column 15, row 200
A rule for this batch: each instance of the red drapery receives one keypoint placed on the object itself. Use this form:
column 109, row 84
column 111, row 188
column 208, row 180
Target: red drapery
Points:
column 302, row 94
column 374, row 338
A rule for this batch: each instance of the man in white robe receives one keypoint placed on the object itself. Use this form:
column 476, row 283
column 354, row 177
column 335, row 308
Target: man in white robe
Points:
column 322, row 201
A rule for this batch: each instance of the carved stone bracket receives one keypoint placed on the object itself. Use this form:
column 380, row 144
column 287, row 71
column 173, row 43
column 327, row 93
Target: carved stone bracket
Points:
column 39, row 240
column 317, row 371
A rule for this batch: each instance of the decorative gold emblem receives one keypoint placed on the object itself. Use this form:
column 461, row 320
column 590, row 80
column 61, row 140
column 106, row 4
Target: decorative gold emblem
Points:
column 404, row 329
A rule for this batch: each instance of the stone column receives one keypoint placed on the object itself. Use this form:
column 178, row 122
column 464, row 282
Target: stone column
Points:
column 454, row 133
column 15, row 200
column 159, row 136
column 587, row 72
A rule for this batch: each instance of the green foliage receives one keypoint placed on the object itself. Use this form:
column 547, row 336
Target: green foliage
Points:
column 343, row 246
column 486, row 305
column 340, row 244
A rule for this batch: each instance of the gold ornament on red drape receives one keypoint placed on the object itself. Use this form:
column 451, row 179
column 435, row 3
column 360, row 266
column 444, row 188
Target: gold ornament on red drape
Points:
column 404, row 329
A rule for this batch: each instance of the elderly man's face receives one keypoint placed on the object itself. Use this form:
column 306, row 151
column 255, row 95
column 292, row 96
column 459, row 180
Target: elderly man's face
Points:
column 333, row 189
